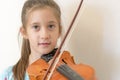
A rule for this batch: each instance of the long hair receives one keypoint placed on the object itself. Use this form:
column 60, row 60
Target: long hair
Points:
column 19, row 69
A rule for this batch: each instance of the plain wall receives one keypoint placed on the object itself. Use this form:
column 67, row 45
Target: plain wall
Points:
column 95, row 39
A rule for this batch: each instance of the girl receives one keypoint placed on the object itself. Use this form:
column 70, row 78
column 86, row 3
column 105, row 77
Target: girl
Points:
column 41, row 28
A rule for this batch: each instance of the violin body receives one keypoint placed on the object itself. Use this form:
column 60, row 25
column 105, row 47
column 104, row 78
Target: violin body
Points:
column 37, row 70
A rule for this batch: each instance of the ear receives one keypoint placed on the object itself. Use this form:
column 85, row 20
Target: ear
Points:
column 23, row 33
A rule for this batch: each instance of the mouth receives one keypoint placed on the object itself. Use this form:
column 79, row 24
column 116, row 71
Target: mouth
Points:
column 44, row 44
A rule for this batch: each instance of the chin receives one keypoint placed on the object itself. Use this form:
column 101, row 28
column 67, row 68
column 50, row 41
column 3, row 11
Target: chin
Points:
column 45, row 51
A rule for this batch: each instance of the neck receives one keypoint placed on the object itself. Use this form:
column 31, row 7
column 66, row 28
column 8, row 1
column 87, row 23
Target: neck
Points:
column 33, row 57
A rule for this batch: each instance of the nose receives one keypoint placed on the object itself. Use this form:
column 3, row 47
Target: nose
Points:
column 44, row 33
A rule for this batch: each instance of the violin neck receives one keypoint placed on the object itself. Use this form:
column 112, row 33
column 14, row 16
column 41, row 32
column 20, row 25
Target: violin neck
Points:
column 66, row 71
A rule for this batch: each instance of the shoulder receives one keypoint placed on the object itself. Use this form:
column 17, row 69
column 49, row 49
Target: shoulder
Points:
column 6, row 74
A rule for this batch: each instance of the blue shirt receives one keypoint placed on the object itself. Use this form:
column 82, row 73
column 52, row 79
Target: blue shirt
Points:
column 8, row 74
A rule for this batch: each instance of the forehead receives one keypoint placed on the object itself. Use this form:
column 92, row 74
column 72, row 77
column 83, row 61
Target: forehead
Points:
column 45, row 14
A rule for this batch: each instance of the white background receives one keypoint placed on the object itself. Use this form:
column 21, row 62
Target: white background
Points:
column 9, row 27
column 95, row 40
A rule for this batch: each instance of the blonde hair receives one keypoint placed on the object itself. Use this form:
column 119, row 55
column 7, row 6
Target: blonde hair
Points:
column 19, row 69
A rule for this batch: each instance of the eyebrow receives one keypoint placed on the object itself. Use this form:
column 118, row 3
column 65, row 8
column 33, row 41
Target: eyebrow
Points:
column 52, row 22
column 36, row 23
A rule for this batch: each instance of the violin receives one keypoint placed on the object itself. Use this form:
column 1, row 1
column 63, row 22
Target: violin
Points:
column 37, row 71
column 64, row 68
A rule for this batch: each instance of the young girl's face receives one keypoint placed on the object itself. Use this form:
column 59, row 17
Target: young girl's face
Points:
column 42, row 30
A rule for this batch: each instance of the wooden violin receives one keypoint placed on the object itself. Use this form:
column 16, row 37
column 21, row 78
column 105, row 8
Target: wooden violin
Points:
column 37, row 71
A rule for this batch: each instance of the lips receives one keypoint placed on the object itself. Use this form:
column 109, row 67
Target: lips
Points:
column 44, row 44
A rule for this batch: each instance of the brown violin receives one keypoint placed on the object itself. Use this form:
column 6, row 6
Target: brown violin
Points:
column 37, row 72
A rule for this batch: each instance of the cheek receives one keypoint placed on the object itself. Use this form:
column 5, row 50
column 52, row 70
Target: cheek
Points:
column 30, row 33
column 32, row 37
column 55, row 38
